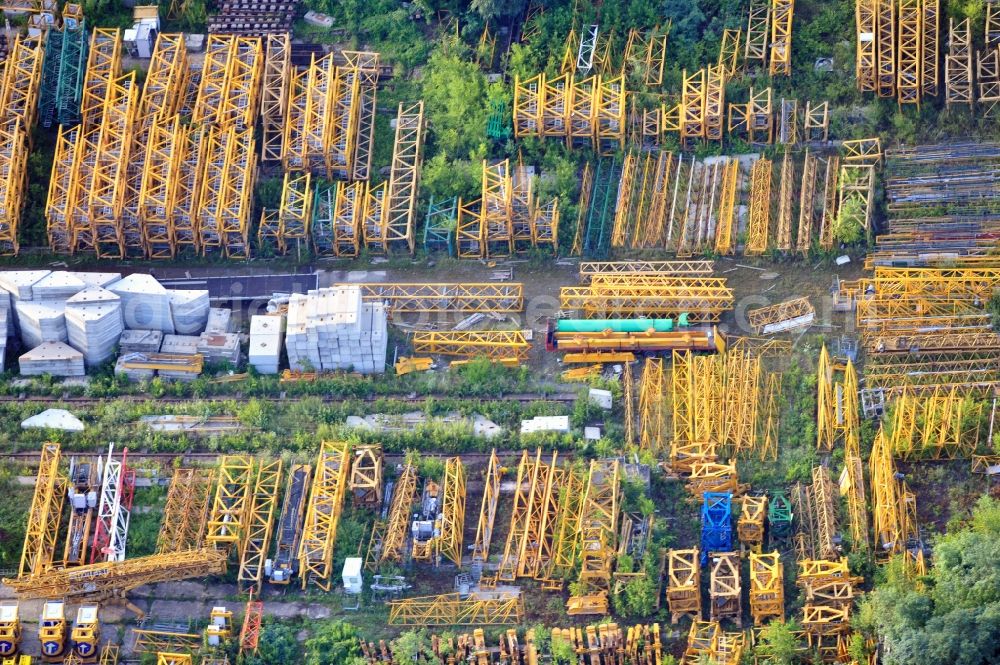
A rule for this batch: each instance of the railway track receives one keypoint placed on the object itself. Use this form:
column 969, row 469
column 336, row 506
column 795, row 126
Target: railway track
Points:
column 524, row 398
column 197, row 456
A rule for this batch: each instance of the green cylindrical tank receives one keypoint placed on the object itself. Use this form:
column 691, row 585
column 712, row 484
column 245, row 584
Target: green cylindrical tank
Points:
column 616, row 325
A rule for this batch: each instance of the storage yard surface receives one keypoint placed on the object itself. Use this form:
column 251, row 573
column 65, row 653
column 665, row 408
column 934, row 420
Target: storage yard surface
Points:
column 500, row 333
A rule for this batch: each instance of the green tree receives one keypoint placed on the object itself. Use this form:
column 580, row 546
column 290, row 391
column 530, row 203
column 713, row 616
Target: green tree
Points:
column 455, row 98
column 847, row 228
column 333, row 643
column 640, row 596
column 412, row 647
column 490, row 9
column 562, row 651
column 277, row 644
column 778, row 643
column 952, row 616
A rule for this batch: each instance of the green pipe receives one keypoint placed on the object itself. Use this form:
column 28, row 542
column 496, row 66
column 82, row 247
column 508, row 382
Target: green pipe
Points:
column 615, row 325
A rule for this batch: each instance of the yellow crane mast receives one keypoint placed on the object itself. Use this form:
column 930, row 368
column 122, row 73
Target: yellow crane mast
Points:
column 493, row 344
column 260, row 525
column 103, row 65
column 569, row 497
column 758, row 33
column 885, row 47
column 185, row 515
column 781, row 37
column 158, row 189
column 750, row 526
column 724, row 587
column 479, row 609
column 394, row 539
column 910, row 57
column 652, row 414
column 366, row 476
column 397, row 225
column 106, row 189
column 684, row 584
column 825, row 418
column 274, row 95
column 866, row 61
column 167, row 658
column 326, row 501
column 527, row 475
column 598, row 527
column 760, row 207
column 958, row 64
column 488, row 510
column 448, row 543
column 227, row 522
column 767, row 591
column 44, row 515
column 295, row 211
column 108, row 580
column 855, row 490
column 13, row 162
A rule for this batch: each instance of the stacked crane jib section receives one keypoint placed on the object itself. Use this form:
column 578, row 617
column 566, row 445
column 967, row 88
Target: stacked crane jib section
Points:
column 702, row 299
column 330, row 119
column 19, row 92
column 586, row 112
column 598, row 527
column 135, row 179
column 323, row 513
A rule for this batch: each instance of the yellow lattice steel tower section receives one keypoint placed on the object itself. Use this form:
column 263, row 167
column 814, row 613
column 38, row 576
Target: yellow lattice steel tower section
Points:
column 159, row 188
column 229, row 89
column 291, row 223
column 227, row 521
column 394, row 540
column 781, row 37
column 13, row 162
column 107, row 580
column 185, row 514
column 767, row 587
column 326, row 501
column 488, row 510
column 910, row 57
column 397, row 222
column 866, row 61
column 684, row 584
column 598, row 529
column 44, row 515
column 760, row 207
column 260, row 524
column 758, row 33
column 448, row 542
column 106, row 189
column 103, row 64
column 652, row 407
column 274, row 95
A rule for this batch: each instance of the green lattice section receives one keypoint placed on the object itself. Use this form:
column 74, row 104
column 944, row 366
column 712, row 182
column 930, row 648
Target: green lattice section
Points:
column 439, row 225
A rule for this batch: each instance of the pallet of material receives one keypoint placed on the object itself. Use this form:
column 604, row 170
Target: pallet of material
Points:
column 165, row 365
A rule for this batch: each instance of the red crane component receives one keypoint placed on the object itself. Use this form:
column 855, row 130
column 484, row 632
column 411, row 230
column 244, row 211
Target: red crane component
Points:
column 250, row 633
